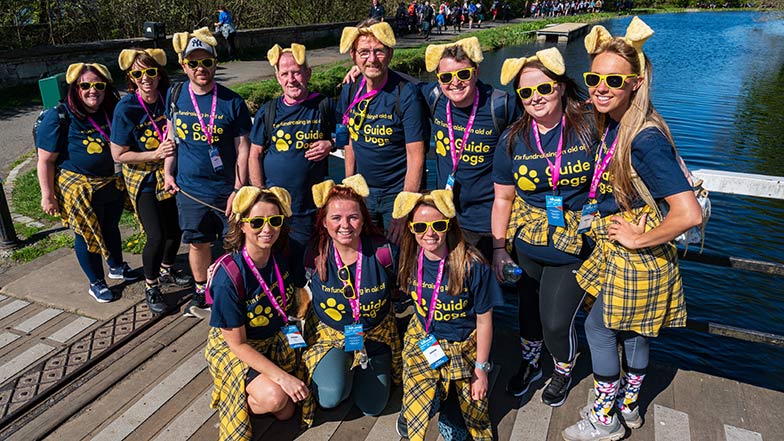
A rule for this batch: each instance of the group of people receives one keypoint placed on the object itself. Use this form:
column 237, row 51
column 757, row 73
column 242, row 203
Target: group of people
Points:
column 423, row 17
column 558, row 8
column 540, row 178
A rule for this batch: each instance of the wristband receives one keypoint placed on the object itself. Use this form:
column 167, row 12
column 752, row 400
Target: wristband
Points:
column 499, row 248
column 235, row 191
column 484, row 367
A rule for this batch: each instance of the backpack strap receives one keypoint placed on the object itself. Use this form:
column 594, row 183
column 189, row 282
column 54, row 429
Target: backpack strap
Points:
column 383, row 253
column 499, row 98
column 174, row 95
column 233, row 271
column 432, row 100
column 327, row 117
column 270, row 110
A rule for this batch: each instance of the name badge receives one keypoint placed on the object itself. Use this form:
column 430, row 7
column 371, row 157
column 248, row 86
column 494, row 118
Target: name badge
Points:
column 450, row 181
column 294, row 336
column 587, row 214
column 354, row 337
column 215, row 159
column 433, row 351
column 555, row 214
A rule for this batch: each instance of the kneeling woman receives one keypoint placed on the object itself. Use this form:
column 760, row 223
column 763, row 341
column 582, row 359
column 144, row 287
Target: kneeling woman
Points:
column 447, row 346
column 250, row 354
column 355, row 350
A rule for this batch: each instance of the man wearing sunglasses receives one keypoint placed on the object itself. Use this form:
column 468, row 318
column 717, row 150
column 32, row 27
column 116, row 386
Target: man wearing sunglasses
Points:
column 386, row 122
column 210, row 125
column 467, row 117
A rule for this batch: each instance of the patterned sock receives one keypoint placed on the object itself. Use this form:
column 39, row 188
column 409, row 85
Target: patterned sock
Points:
column 605, row 392
column 201, row 286
column 629, row 391
column 149, row 285
column 165, row 270
column 531, row 350
column 562, row 368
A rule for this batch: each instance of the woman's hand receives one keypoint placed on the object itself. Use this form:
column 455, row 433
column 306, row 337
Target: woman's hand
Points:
column 166, row 149
column 294, row 388
column 351, row 75
column 170, row 184
column 479, row 384
column 50, row 205
column 500, row 258
column 625, row 232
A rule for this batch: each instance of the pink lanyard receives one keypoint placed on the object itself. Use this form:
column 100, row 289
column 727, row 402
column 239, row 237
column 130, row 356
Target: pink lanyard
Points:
column 601, row 164
column 451, row 131
column 207, row 130
column 161, row 136
column 555, row 169
column 357, row 279
column 433, row 300
column 96, row 127
column 281, row 309
column 358, row 98
column 298, row 102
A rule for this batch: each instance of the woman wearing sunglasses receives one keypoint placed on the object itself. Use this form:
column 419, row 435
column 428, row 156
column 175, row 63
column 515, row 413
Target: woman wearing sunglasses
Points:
column 542, row 170
column 140, row 143
column 633, row 271
column 447, row 345
column 251, row 348
column 355, row 350
column 77, row 174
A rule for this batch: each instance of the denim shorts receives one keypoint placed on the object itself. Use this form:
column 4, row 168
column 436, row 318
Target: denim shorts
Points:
column 199, row 223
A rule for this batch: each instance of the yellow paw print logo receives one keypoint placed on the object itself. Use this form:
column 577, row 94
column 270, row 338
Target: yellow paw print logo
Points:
column 334, row 310
column 260, row 317
column 94, row 145
column 421, row 308
column 353, row 132
column 282, row 141
column 526, row 179
column 182, row 128
column 442, row 143
column 150, row 142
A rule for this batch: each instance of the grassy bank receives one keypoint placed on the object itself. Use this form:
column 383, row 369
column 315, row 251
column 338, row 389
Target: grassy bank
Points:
column 412, row 60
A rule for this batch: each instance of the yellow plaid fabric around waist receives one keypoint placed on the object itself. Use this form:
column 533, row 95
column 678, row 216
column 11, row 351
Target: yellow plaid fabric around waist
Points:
column 423, row 385
column 229, row 374
column 326, row 338
column 642, row 289
column 136, row 174
column 529, row 224
column 74, row 192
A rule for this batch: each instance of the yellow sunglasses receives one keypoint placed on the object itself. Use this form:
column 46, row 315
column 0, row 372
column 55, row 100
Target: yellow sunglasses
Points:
column 258, row 222
column 204, row 62
column 87, row 85
column 462, row 75
column 439, row 226
column 613, row 81
column 349, row 292
column 151, row 72
column 544, row 89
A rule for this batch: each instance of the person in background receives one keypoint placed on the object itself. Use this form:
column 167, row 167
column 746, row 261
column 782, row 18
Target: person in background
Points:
column 140, row 142
column 225, row 25
column 633, row 271
column 377, row 11
column 78, row 178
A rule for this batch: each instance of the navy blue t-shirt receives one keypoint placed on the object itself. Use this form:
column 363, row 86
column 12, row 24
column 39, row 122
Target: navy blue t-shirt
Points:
column 195, row 173
column 530, row 173
column 255, row 312
column 379, row 137
column 473, row 189
column 82, row 149
column 455, row 316
column 334, row 310
column 131, row 127
column 653, row 157
column 293, row 131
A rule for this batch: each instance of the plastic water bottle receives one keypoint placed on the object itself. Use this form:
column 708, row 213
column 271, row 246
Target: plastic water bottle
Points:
column 512, row 273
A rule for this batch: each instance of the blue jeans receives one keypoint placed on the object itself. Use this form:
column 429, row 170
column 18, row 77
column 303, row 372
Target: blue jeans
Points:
column 380, row 207
column 334, row 381
column 108, row 206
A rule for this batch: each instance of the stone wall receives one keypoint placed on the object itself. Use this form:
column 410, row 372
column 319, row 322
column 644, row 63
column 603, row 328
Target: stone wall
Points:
column 28, row 65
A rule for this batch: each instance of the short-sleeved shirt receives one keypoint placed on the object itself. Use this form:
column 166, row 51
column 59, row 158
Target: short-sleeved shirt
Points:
column 132, row 127
column 255, row 311
column 653, row 157
column 195, row 173
column 82, row 149
column 334, row 310
column 455, row 316
column 382, row 135
column 530, row 173
column 294, row 130
column 473, row 189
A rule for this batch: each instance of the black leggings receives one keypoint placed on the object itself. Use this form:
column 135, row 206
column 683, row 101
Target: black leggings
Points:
column 159, row 220
column 549, row 300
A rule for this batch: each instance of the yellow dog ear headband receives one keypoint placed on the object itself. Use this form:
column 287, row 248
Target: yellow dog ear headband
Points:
column 247, row 196
column 296, row 50
column 183, row 42
column 355, row 182
column 636, row 35
column 550, row 58
column 74, row 70
column 406, row 201
column 382, row 31
column 470, row 45
column 127, row 57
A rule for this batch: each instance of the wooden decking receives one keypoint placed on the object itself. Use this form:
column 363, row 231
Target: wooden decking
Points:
column 157, row 386
column 562, row 33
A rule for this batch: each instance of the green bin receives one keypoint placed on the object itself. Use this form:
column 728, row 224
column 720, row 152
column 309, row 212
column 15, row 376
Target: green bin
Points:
column 53, row 89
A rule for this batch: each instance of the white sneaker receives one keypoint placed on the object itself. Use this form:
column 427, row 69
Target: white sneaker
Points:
column 589, row 429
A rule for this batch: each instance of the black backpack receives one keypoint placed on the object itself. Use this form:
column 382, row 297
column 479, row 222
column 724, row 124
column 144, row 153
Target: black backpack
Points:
column 62, row 117
column 176, row 88
column 327, row 119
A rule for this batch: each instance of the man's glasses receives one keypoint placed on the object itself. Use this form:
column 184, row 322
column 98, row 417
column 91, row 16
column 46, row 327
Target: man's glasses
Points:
column 151, row 72
column 439, row 226
column 544, row 89
column 613, row 81
column 204, row 62
column 348, row 288
column 258, row 222
column 462, row 75
column 87, row 85
column 377, row 53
